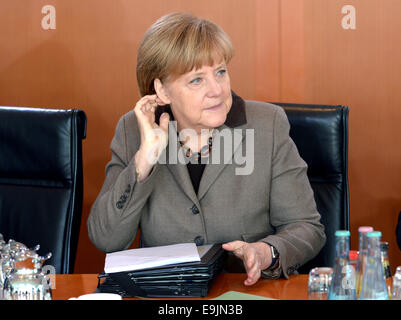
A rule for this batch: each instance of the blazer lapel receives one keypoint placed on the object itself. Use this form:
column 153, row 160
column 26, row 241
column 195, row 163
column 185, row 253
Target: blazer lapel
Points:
column 178, row 169
column 224, row 156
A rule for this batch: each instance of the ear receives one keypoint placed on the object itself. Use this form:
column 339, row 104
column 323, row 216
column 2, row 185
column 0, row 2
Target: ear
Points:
column 161, row 91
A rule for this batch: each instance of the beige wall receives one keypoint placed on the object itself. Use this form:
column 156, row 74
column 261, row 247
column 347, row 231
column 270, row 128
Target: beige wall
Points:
column 288, row 50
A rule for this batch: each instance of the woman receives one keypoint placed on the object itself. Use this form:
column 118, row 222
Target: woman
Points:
column 266, row 215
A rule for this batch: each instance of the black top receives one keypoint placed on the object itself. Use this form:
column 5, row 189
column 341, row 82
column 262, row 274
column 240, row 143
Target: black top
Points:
column 195, row 172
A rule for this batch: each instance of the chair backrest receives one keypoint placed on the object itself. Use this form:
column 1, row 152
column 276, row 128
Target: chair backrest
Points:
column 320, row 133
column 41, row 182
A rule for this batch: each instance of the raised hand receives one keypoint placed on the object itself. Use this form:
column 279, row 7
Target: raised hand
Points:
column 154, row 138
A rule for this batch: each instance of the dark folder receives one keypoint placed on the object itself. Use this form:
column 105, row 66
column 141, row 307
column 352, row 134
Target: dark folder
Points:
column 192, row 279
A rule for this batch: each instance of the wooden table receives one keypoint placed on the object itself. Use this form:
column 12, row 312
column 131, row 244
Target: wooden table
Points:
column 74, row 285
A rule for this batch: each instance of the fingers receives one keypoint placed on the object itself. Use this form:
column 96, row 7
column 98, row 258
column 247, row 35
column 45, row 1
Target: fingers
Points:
column 150, row 106
column 236, row 247
column 248, row 253
column 253, row 276
column 149, row 103
column 164, row 120
column 252, row 266
column 159, row 101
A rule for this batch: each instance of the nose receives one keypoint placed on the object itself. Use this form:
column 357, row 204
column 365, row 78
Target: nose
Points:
column 214, row 87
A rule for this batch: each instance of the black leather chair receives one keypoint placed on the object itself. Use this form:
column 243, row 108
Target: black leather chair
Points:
column 41, row 182
column 320, row 133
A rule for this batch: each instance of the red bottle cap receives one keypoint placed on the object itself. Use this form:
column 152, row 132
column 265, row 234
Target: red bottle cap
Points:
column 353, row 255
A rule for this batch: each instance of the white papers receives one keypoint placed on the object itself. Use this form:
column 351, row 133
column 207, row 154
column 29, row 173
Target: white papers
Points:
column 145, row 258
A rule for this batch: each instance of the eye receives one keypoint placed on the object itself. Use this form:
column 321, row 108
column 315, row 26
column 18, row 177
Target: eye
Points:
column 221, row 72
column 195, row 81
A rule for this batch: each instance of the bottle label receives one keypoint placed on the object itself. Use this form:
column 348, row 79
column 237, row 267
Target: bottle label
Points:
column 387, row 271
column 348, row 281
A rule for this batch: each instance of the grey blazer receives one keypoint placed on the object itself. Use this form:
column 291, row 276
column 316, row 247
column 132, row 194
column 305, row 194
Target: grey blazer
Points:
column 273, row 202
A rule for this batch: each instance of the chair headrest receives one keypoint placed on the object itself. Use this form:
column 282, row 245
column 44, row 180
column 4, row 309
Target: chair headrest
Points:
column 36, row 143
column 320, row 132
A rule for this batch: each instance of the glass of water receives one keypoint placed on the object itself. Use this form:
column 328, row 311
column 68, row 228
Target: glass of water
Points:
column 396, row 294
column 319, row 283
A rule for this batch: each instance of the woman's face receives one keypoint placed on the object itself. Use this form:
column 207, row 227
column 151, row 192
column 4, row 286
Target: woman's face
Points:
column 199, row 99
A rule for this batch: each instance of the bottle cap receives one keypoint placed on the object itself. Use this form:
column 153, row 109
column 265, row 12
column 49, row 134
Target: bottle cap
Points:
column 374, row 234
column 342, row 233
column 353, row 255
column 365, row 229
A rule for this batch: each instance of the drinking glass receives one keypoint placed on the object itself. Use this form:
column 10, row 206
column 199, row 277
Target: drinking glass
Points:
column 319, row 283
column 396, row 294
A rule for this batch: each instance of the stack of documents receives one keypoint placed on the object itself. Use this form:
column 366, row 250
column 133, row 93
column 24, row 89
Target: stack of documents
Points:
column 146, row 258
column 176, row 270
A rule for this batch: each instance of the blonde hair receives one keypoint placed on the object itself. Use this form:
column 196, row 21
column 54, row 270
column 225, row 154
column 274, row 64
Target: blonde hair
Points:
column 178, row 43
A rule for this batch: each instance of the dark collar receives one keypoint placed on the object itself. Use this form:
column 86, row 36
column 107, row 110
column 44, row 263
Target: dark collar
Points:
column 235, row 117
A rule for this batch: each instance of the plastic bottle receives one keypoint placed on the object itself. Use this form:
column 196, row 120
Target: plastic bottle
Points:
column 386, row 266
column 396, row 293
column 374, row 282
column 342, row 286
column 363, row 252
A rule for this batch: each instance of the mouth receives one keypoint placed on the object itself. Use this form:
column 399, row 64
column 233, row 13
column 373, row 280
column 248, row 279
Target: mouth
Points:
column 215, row 107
